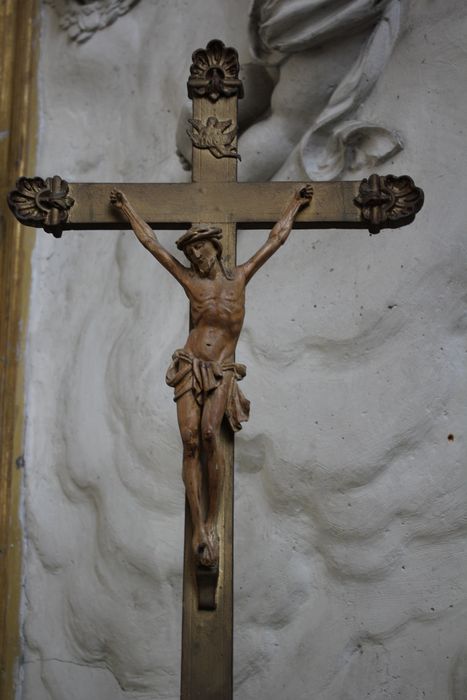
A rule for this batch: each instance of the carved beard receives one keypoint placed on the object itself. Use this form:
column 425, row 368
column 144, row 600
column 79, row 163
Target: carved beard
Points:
column 204, row 267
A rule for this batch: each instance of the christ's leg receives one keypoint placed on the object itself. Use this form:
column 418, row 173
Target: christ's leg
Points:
column 213, row 412
column 189, row 418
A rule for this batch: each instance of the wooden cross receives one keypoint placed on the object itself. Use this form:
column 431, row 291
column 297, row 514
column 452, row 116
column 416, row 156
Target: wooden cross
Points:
column 214, row 196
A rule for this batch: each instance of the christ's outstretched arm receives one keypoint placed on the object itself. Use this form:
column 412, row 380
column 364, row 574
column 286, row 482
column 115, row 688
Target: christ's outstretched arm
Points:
column 279, row 233
column 147, row 237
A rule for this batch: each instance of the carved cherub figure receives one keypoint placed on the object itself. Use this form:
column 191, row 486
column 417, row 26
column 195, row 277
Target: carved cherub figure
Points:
column 214, row 136
column 203, row 373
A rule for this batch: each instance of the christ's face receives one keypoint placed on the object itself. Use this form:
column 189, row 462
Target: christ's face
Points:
column 202, row 255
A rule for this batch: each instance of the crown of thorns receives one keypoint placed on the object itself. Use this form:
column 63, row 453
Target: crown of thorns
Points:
column 199, row 233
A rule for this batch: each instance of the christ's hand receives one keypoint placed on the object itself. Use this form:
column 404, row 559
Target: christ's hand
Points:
column 304, row 195
column 118, row 199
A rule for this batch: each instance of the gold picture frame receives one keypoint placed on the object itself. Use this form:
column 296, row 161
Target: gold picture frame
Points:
column 19, row 38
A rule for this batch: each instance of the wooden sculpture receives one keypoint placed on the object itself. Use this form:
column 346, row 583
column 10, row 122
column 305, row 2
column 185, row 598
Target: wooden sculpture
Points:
column 203, row 373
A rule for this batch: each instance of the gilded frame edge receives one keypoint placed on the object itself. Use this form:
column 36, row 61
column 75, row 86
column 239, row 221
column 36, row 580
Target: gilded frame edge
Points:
column 19, row 31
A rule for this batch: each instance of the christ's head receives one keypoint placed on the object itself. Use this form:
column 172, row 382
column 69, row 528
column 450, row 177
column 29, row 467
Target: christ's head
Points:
column 203, row 248
column 202, row 255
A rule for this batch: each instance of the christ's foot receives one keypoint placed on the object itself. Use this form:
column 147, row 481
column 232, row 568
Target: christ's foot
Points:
column 213, row 543
column 205, row 558
column 206, row 548
column 200, row 547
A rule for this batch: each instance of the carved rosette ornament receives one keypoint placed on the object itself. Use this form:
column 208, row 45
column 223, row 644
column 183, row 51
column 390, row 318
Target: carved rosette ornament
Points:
column 214, row 72
column 38, row 202
column 388, row 201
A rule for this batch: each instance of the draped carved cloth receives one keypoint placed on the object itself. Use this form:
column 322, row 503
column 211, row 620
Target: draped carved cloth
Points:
column 189, row 373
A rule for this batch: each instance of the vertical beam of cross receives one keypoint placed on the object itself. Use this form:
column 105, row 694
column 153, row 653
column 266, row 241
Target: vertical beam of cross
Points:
column 207, row 635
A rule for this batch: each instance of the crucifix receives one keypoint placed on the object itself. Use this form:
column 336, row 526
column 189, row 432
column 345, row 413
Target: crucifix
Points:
column 204, row 373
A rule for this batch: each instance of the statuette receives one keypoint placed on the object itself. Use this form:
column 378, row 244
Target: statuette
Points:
column 214, row 137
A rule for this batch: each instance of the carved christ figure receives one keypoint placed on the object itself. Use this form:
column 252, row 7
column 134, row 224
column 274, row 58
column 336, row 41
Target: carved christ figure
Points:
column 203, row 373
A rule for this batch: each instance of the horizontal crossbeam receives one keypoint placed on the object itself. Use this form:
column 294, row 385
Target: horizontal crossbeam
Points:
column 249, row 205
column 379, row 202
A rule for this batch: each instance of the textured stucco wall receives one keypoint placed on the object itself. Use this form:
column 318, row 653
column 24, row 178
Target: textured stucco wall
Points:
column 351, row 502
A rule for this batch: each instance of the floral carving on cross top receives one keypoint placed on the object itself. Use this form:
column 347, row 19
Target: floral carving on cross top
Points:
column 214, row 72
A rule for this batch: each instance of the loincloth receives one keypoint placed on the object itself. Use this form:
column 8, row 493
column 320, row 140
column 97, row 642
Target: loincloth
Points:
column 188, row 373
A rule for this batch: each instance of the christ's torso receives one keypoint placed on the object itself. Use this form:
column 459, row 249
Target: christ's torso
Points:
column 217, row 313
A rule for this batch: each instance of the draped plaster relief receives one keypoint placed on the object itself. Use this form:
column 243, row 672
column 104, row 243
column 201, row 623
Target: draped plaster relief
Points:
column 351, row 475
column 82, row 18
column 288, row 33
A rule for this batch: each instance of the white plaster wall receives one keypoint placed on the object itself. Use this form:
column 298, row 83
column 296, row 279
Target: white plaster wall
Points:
column 351, row 517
